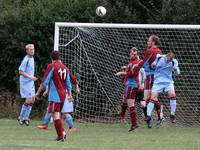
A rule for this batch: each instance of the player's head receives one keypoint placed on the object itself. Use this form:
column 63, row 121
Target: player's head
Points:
column 55, row 55
column 30, row 49
column 153, row 41
column 169, row 57
column 134, row 53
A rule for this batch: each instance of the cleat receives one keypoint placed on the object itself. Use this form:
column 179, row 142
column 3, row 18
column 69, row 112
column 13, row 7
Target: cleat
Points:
column 20, row 121
column 42, row 127
column 72, row 129
column 61, row 139
column 133, row 128
column 159, row 121
column 148, row 120
column 173, row 118
column 26, row 122
column 64, row 135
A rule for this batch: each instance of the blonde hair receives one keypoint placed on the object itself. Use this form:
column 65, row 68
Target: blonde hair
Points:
column 171, row 55
column 28, row 46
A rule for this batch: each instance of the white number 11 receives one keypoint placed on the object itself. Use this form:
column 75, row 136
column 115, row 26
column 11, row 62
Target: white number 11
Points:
column 62, row 73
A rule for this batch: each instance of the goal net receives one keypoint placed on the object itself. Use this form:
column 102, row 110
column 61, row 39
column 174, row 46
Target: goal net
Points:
column 95, row 52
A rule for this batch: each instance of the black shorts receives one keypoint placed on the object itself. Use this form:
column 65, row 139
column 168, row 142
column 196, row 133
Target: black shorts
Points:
column 139, row 96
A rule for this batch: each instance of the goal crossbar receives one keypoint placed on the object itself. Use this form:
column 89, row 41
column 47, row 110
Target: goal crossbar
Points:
column 137, row 26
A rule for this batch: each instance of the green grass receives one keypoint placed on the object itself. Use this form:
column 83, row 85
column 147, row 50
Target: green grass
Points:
column 94, row 136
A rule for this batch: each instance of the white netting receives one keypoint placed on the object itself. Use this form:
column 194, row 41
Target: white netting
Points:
column 94, row 54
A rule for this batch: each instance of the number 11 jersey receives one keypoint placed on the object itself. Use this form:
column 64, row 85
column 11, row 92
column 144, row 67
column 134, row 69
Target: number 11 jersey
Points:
column 57, row 78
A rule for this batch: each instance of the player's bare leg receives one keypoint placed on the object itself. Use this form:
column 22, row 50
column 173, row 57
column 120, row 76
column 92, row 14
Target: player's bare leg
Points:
column 133, row 114
column 172, row 97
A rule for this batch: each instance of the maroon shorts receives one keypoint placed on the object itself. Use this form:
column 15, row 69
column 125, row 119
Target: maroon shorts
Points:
column 130, row 92
column 149, row 82
column 54, row 107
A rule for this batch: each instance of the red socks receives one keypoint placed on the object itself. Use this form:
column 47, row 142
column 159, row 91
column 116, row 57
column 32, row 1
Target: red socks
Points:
column 133, row 116
column 59, row 127
column 123, row 110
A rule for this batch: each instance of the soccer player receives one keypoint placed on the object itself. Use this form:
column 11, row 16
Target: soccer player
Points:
column 149, row 58
column 27, row 87
column 57, row 78
column 163, row 82
column 139, row 94
column 131, row 86
column 66, row 111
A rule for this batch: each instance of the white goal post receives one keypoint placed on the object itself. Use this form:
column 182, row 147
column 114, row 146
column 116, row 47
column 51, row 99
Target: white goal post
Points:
column 95, row 51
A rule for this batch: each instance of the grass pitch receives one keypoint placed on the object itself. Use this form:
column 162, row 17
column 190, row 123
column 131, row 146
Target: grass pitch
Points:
column 95, row 136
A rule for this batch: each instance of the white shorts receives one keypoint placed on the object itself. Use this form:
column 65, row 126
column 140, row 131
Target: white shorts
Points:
column 27, row 90
column 68, row 106
column 162, row 87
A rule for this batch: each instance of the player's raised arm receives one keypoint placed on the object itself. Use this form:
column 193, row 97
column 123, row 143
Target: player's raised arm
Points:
column 176, row 67
column 120, row 73
column 123, row 67
column 146, row 58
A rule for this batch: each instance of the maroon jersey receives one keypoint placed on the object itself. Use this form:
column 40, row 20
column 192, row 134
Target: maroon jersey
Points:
column 149, row 58
column 58, row 79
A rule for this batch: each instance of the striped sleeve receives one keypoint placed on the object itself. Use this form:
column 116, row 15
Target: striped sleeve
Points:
column 47, row 75
column 68, row 83
column 147, row 57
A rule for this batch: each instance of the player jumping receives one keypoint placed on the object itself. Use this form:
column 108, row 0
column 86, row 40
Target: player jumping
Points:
column 163, row 82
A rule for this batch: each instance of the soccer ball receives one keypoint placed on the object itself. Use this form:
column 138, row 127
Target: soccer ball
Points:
column 100, row 11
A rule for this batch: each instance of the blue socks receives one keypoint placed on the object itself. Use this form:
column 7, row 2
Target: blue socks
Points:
column 173, row 106
column 28, row 112
column 47, row 118
column 69, row 121
column 150, row 108
column 23, row 111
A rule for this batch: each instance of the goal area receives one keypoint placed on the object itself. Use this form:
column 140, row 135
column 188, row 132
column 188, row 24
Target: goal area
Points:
column 94, row 52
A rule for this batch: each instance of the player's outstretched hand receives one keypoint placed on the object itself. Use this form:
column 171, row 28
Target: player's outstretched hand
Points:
column 77, row 89
column 123, row 67
column 120, row 73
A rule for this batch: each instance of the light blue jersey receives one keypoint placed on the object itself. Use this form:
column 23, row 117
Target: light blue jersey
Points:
column 164, row 69
column 27, row 88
